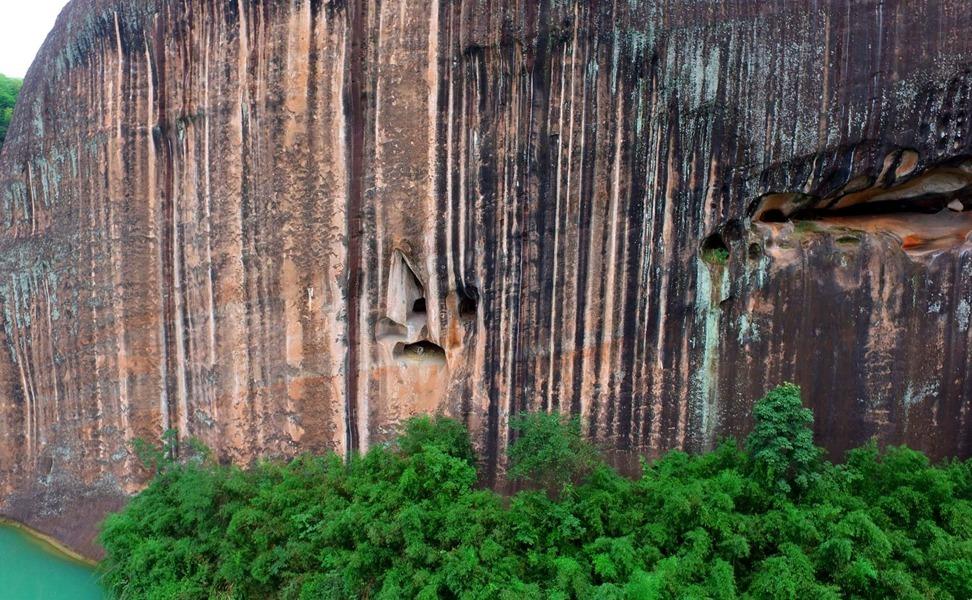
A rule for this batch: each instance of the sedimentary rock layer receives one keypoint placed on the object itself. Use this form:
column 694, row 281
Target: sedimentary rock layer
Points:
column 284, row 225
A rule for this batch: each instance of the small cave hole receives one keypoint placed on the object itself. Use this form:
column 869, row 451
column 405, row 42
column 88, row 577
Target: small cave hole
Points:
column 422, row 352
column 714, row 250
column 773, row 215
column 755, row 251
column 469, row 303
column 419, row 307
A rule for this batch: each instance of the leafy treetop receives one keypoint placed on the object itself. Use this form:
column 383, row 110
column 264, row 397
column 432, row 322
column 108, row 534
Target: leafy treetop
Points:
column 9, row 90
column 780, row 446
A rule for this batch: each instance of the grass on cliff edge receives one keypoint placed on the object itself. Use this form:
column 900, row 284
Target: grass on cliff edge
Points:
column 769, row 519
column 9, row 90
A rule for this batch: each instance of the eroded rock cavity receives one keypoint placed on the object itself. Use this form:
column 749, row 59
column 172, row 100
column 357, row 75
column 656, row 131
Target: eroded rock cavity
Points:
column 406, row 325
column 924, row 209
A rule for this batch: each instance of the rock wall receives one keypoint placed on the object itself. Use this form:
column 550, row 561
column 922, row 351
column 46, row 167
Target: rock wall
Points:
column 284, row 225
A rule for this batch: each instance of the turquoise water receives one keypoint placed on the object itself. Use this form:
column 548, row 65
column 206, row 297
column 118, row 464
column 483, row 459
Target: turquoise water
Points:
column 32, row 570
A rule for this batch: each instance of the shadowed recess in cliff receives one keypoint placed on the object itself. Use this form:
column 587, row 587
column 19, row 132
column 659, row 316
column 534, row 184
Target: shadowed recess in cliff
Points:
column 925, row 210
column 406, row 309
column 423, row 352
column 714, row 249
column 407, row 316
column 468, row 303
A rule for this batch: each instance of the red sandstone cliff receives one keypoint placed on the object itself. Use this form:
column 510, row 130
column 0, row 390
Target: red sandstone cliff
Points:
column 287, row 224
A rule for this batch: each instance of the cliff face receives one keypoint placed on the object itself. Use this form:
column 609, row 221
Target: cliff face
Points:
column 284, row 225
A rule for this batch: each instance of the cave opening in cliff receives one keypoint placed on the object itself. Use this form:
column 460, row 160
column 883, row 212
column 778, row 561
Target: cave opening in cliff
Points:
column 419, row 308
column 933, row 222
column 714, row 249
column 929, row 210
column 928, row 205
column 469, row 303
column 422, row 352
column 774, row 215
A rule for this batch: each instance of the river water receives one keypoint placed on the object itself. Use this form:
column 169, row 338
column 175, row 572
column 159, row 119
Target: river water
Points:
column 30, row 569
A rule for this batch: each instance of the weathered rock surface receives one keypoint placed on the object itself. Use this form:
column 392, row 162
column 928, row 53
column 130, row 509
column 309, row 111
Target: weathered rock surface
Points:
column 284, row 225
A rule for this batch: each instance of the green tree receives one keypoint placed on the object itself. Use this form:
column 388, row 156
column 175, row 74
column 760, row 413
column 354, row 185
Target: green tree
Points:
column 780, row 446
column 550, row 451
column 424, row 432
column 9, row 90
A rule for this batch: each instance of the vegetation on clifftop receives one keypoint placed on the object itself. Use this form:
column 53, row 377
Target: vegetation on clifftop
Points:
column 770, row 519
column 9, row 90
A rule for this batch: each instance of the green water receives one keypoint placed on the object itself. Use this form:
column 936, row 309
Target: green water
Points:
column 32, row 570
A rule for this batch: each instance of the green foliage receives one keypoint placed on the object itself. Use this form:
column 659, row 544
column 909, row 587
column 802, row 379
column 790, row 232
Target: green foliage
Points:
column 9, row 90
column 550, row 451
column 408, row 520
column 424, row 432
column 716, row 256
column 781, row 444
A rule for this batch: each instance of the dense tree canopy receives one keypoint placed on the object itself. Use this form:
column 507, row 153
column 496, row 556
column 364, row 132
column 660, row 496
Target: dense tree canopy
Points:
column 9, row 90
column 770, row 519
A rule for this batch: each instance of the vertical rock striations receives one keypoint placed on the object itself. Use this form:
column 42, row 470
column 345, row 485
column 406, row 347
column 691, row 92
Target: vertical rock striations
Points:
column 282, row 225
